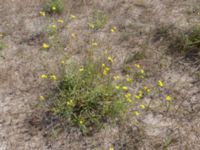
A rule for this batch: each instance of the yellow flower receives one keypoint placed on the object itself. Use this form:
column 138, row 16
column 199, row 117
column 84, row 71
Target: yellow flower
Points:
column 62, row 62
column 111, row 148
column 70, row 103
column 91, row 25
column 53, row 8
column 136, row 113
column 54, row 27
column 110, row 59
column 168, row 98
column 117, row 87
column 94, row 44
column 72, row 17
column 129, row 100
column 142, row 106
column 105, row 71
column 45, row 46
column 102, row 65
column 81, row 122
column 140, row 93
column 160, row 83
column 137, row 66
column 113, row 29
column 60, row 21
column 73, row 35
column 128, row 95
column 129, row 80
column 137, row 96
column 42, row 98
column 124, row 88
column 43, row 76
column 116, row 77
column 147, row 89
column 81, row 69
column 142, row 71
column 53, row 77
column 42, row 13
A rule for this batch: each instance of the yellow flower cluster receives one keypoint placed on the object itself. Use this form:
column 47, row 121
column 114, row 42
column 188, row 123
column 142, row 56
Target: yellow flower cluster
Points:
column 139, row 95
column 137, row 66
column 70, row 103
column 128, row 97
column 129, row 80
column 147, row 89
column 106, row 70
column 110, row 59
column 53, row 77
column 141, row 72
column 42, row 13
column 160, row 83
column 136, row 113
column 116, row 77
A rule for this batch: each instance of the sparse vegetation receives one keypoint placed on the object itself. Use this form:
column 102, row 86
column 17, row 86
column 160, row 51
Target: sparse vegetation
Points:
column 98, row 20
column 107, row 75
column 87, row 98
column 90, row 95
column 183, row 43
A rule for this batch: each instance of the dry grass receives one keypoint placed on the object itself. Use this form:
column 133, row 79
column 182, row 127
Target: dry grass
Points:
column 23, row 60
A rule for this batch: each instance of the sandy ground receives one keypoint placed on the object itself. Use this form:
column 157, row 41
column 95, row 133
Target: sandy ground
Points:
column 21, row 64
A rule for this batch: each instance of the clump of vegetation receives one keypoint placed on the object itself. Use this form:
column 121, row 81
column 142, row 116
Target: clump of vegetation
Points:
column 53, row 6
column 194, row 36
column 99, row 20
column 184, row 43
column 87, row 98
column 92, row 94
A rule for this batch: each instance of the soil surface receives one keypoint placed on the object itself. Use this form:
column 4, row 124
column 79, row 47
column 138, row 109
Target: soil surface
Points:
column 22, row 61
